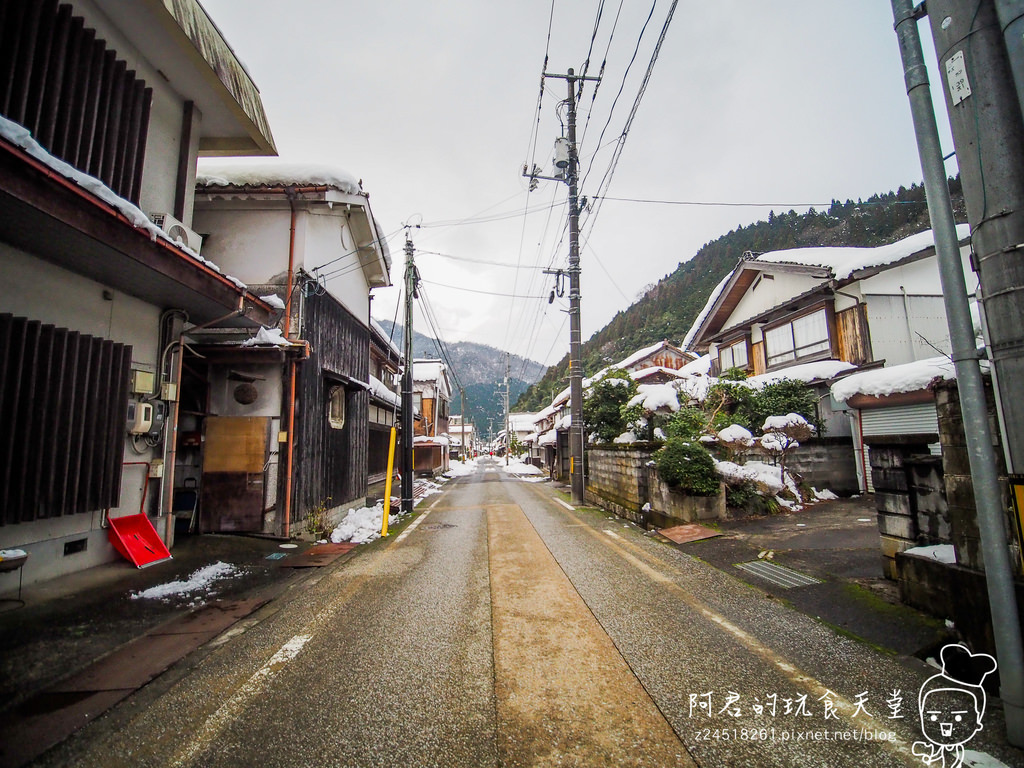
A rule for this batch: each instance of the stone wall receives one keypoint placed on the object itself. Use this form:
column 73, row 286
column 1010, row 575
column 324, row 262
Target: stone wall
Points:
column 620, row 480
column 826, row 462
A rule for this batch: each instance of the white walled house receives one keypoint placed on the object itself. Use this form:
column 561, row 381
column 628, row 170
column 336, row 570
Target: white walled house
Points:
column 276, row 224
column 93, row 297
column 834, row 311
column 432, row 397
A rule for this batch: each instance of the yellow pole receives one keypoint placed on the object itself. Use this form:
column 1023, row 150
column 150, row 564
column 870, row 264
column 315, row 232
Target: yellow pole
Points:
column 387, row 484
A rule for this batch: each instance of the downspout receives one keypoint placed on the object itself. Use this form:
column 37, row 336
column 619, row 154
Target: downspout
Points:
column 171, row 430
column 289, row 461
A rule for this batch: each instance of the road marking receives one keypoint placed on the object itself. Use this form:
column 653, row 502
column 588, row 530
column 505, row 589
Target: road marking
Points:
column 747, row 640
column 412, row 526
column 567, row 506
column 231, row 708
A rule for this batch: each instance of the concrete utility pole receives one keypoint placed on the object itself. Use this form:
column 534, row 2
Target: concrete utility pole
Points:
column 569, row 164
column 952, row 29
column 411, row 281
column 508, row 433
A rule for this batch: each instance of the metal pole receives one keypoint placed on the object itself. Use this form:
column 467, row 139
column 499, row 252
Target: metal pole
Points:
column 575, row 364
column 987, row 494
column 508, row 433
column 407, row 420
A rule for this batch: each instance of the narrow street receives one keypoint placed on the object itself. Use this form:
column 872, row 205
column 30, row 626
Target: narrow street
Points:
column 503, row 628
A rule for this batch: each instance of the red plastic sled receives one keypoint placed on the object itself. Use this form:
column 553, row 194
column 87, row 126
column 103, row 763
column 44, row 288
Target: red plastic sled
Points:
column 137, row 540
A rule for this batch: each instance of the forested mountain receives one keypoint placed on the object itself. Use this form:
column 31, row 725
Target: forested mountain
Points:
column 481, row 371
column 668, row 308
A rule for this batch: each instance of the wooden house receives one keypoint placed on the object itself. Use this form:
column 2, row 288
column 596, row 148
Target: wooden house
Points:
column 305, row 235
column 432, row 396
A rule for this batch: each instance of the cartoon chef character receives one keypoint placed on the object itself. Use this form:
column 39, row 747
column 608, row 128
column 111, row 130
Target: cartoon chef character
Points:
column 952, row 704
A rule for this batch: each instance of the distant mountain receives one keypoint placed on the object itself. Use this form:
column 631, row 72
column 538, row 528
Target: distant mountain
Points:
column 480, row 369
column 668, row 308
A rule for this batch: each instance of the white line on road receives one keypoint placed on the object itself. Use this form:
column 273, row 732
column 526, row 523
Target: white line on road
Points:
column 231, row 708
column 567, row 506
column 412, row 526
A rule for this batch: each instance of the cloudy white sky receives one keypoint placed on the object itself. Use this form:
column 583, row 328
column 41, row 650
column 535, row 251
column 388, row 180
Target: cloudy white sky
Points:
column 434, row 106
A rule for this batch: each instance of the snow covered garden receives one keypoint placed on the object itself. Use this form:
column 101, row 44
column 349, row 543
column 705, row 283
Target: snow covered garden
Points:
column 705, row 431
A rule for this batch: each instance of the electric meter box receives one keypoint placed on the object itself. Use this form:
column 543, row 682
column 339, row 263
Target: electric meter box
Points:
column 140, row 417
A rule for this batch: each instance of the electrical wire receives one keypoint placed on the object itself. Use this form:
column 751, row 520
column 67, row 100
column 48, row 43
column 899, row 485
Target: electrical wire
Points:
column 477, row 290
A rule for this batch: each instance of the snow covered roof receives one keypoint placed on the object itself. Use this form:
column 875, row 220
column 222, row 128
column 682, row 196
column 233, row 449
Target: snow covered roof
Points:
column 644, row 373
column 383, row 336
column 427, row 370
column 844, row 262
column 898, row 379
column 379, row 390
column 21, row 137
column 639, row 355
column 273, row 172
column 839, row 264
column 522, row 422
column 805, row 372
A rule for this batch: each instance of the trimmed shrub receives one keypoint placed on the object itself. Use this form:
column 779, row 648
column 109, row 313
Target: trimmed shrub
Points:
column 687, row 467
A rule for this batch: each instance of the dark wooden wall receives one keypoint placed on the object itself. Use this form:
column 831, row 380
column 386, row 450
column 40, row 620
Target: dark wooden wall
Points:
column 81, row 102
column 63, row 413
column 331, row 463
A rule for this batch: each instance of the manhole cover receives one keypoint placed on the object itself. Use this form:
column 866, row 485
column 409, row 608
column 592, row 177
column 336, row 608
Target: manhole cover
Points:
column 778, row 575
column 438, row 526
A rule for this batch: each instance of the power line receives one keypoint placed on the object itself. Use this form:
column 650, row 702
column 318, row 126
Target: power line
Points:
column 710, row 203
column 476, row 290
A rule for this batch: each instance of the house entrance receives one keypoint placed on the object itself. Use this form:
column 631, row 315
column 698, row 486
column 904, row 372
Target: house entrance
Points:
column 234, row 457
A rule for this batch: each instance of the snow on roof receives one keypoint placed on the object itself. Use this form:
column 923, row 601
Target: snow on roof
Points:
column 640, row 355
column 522, row 422
column 384, row 336
column 843, row 262
column 272, row 172
column 805, row 372
column 702, row 315
column 426, row 370
column 699, row 367
column 643, row 373
column 379, row 390
column 909, row 377
column 21, row 137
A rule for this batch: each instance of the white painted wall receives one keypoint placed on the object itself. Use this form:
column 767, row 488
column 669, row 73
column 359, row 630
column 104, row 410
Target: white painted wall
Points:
column 249, row 239
column 30, row 288
column 269, row 388
column 906, row 330
column 769, row 294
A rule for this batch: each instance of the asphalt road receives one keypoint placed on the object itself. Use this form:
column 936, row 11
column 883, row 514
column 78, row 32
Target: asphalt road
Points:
column 506, row 629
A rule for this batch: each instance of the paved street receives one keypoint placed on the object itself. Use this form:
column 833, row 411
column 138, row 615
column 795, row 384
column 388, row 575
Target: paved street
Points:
column 503, row 628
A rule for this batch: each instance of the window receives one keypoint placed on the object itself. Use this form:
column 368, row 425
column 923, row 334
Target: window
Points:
column 336, row 408
column 805, row 336
column 733, row 356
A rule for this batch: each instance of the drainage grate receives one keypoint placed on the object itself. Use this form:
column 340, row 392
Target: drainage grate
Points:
column 438, row 526
column 776, row 574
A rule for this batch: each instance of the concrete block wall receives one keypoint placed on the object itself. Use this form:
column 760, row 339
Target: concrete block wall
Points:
column 826, row 462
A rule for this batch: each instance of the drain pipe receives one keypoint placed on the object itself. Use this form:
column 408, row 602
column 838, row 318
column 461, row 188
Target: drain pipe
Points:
column 290, row 456
column 987, row 493
column 171, row 428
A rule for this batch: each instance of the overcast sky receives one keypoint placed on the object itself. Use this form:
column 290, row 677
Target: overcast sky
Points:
column 434, row 106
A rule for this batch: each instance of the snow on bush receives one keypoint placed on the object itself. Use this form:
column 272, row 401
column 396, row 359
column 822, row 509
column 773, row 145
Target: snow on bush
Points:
column 656, row 397
column 764, row 476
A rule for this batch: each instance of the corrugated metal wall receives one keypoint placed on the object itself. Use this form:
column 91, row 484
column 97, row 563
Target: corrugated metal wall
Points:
column 920, row 419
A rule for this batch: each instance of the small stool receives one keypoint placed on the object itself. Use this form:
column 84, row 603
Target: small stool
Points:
column 14, row 564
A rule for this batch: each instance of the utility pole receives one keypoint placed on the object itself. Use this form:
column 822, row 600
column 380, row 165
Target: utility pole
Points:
column 567, row 159
column 1001, row 125
column 411, row 292
column 508, row 434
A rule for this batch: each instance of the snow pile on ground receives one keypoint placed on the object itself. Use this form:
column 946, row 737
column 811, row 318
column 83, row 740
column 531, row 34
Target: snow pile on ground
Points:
column 461, row 468
column 823, row 495
column 516, row 466
column 364, row 524
column 974, row 759
column 944, row 553
column 201, row 580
